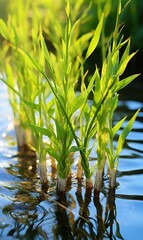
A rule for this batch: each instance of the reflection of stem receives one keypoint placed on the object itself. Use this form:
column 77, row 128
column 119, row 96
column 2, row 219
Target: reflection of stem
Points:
column 63, row 228
column 83, row 222
column 110, row 214
column 87, row 200
column 99, row 210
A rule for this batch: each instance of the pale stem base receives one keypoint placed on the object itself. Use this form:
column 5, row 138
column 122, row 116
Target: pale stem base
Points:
column 112, row 178
column 61, row 184
column 98, row 180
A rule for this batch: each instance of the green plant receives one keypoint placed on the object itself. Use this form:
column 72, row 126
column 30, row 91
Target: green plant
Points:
column 43, row 89
column 106, row 88
column 27, row 92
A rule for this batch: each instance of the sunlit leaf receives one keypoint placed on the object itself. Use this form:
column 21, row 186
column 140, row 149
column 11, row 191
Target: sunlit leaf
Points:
column 125, row 133
column 95, row 39
column 4, row 30
column 46, row 54
column 32, row 105
column 12, row 88
column 52, row 151
column 118, row 126
column 124, row 82
column 43, row 131
column 123, row 64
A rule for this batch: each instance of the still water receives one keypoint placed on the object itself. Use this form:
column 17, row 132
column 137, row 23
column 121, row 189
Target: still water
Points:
column 27, row 212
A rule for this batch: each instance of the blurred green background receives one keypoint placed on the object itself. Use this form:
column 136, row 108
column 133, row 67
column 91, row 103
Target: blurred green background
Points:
column 132, row 18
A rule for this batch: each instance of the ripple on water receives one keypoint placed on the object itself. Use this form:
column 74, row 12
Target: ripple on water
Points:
column 26, row 209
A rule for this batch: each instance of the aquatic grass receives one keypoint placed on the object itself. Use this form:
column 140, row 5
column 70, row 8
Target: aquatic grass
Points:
column 108, row 84
column 27, row 92
column 34, row 75
column 112, row 152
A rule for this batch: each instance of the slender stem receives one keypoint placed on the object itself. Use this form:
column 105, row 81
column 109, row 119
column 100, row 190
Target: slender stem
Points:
column 95, row 115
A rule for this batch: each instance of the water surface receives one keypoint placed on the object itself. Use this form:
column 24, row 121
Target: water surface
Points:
column 27, row 212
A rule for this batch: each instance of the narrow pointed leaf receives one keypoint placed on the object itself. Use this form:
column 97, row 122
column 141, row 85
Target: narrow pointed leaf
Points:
column 125, row 133
column 46, row 53
column 118, row 126
column 12, row 88
column 123, row 65
column 123, row 83
column 33, row 106
column 42, row 131
column 95, row 39
column 52, row 151
column 3, row 30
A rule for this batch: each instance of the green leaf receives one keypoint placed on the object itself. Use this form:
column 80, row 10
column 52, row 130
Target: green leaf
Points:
column 68, row 8
column 43, row 131
column 74, row 149
column 123, row 64
column 125, row 133
column 119, row 8
column 118, row 126
column 97, row 92
column 3, row 30
column 33, row 106
column 78, row 101
column 46, row 54
column 52, row 152
column 123, row 83
column 29, row 104
column 32, row 60
column 95, row 39
column 13, row 89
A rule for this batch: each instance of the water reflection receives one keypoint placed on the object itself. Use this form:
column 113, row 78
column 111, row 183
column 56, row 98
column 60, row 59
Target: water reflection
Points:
column 62, row 228
column 38, row 214
column 24, row 210
column 29, row 212
column 83, row 226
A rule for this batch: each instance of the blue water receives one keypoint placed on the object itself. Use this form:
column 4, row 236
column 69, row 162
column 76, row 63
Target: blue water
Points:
column 27, row 212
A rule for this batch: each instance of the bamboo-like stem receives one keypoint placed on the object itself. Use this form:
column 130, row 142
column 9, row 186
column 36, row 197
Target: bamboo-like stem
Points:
column 98, row 180
column 61, row 184
column 43, row 174
column 23, row 136
column 79, row 169
column 53, row 166
column 88, row 183
column 112, row 178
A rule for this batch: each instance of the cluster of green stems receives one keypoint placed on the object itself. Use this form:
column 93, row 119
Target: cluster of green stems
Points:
column 42, row 91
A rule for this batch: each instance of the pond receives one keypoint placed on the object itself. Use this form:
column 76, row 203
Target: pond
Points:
column 27, row 212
